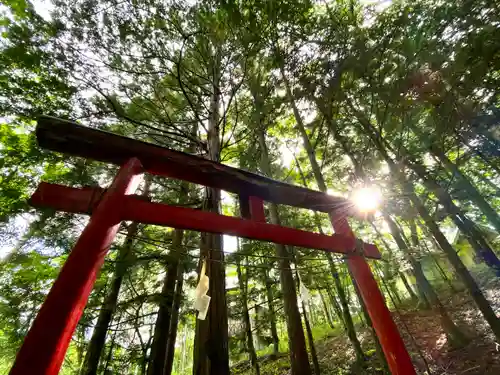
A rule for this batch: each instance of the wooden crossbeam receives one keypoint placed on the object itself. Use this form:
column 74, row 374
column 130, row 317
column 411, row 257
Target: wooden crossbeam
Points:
column 137, row 209
column 70, row 138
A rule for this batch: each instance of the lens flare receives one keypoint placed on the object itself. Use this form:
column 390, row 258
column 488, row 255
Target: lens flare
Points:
column 367, row 199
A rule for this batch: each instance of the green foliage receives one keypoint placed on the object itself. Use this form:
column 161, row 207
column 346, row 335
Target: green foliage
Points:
column 211, row 78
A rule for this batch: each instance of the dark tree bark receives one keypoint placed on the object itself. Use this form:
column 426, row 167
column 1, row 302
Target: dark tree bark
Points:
column 298, row 354
column 272, row 314
column 157, row 359
column 98, row 339
column 472, row 193
column 211, row 351
column 243, row 284
column 96, row 344
column 351, row 332
column 310, row 339
column 455, row 336
column 378, row 347
column 416, row 242
column 346, row 315
column 327, row 311
column 174, row 321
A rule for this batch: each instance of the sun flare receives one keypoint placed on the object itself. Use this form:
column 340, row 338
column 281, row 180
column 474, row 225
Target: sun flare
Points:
column 367, row 199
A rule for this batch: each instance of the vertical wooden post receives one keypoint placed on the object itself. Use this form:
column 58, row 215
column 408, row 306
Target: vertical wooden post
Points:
column 45, row 346
column 252, row 208
column 397, row 356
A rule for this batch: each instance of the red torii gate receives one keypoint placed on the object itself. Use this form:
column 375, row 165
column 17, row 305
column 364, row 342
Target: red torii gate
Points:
column 46, row 343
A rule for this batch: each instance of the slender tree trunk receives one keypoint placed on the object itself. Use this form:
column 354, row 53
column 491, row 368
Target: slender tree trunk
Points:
column 416, row 242
column 476, row 293
column 408, row 287
column 211, row 352
column 97, row 342
column 336, row 307
column 157, row 358
column 482, row 156
column 422, row 299
column 80, row 349
column 378, row 347
column 394, row 290
column 320, row 181
column 346, row 314
column 312, row 314
column 243, row 284
column 327, row 312
column 401, row 275
column 298, row 354
column 174, row 321
column 472, row 193
column 455, row 335
column 272, row 314
column 98, row 339
column 310, row 339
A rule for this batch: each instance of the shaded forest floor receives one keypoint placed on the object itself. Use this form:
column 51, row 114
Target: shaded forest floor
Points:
column 424, row 339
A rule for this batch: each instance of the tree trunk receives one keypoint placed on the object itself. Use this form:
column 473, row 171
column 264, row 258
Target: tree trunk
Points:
column 482, row 156
column 407, row 285
column 157, row 358
column 378, row 347
column 174, row 321
column 98, row 339
column 320, row 181
column 272, row 314
column 312, row 313
column 243, row 284
column 310, row 339
column 454, row 334
column 476, row 293
column 472, row 193
column 298, row 354
column 346, row 314
column 416, row 242
column 336, row 307
column 394, row 290
column 422, row 299
column 258, row 119
column 327, row 312
column 96, row 344
column 211, row 351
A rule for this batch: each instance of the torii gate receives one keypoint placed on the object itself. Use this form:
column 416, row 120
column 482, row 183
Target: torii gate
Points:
column 48, row 339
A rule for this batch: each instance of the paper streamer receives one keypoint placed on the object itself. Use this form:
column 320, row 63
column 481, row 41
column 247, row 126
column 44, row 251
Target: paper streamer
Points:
column 202, row 301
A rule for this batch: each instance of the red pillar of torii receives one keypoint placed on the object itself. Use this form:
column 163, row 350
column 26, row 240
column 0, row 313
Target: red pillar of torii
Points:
column 46, row 343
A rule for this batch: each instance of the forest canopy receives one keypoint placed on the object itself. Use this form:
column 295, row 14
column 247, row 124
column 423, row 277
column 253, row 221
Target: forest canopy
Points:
column 393, row 105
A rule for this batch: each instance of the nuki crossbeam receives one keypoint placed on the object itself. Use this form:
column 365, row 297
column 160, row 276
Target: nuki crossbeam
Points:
column 48, row 339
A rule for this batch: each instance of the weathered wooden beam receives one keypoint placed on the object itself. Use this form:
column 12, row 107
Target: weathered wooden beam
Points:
column 70, row 138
